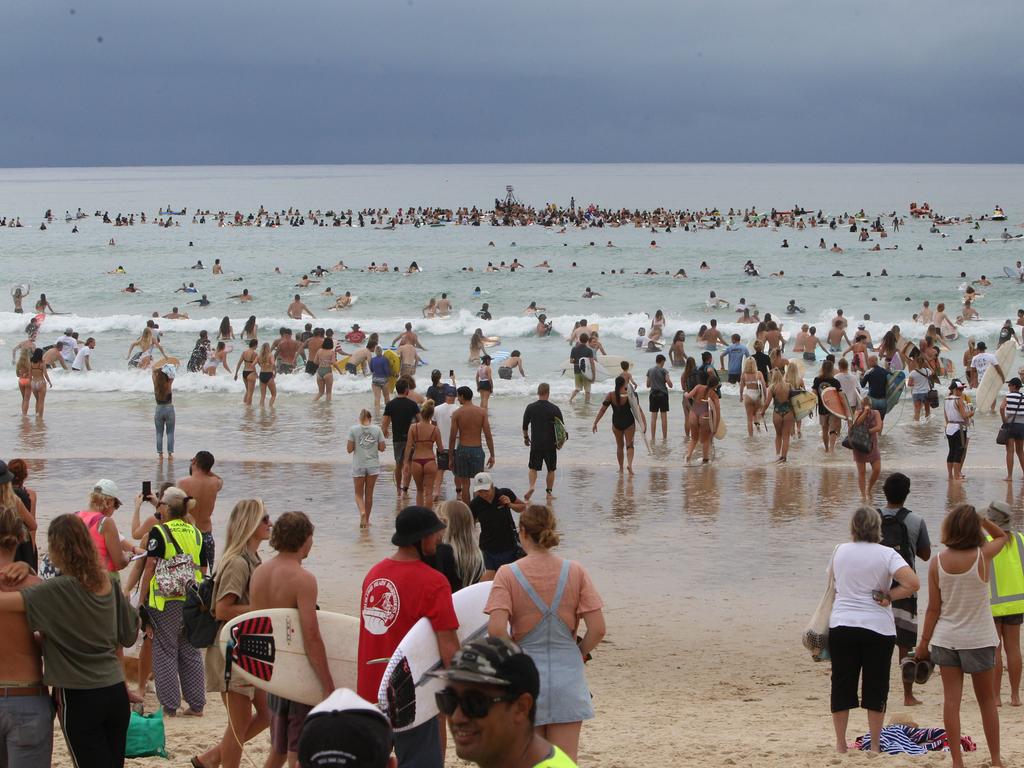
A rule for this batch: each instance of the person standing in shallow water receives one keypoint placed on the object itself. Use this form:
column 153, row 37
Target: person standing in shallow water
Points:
column 623, row 422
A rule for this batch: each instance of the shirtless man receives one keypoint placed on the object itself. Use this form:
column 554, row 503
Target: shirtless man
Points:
column 837, row 337
column 296, row 309
column 286, row 348
column 925, row 316
column 799, row 341
column 243, row 296
column 863, row 331
column 174, row 314
column 942, row 322
column 713, row 337
column 203, row 485
column 283, row 583
column 581, row 327
column 408, row 336
column 840, row 318
column 359, row 361
column 27, row 704
column 811, row 344
column 444, row 306
column 217, row 268
column 469, row 422
column 312, row 346
column 409, row 359
column 55, row 356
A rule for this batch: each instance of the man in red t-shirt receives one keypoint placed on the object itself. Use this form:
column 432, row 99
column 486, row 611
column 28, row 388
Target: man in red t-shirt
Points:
column 397, row 592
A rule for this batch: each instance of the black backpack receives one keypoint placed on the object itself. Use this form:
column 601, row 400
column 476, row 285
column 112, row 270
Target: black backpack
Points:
column 896, row 535
column 201, row 628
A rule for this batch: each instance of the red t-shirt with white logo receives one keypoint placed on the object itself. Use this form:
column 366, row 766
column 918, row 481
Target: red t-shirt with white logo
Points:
column 397, row 594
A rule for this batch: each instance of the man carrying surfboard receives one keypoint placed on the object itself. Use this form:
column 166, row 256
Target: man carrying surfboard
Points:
column 284, row 583
column 397, row 592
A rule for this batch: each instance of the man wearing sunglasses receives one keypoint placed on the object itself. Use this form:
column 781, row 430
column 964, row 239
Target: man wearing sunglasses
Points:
column 490, row 702
column 397, row 592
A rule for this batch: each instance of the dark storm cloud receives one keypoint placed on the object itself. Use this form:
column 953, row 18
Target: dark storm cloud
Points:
column 414, row 81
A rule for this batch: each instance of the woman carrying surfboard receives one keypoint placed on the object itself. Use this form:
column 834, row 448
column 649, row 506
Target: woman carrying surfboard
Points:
column 623, row 422
column 543, row 597
column 705, row 411
column 782, row 413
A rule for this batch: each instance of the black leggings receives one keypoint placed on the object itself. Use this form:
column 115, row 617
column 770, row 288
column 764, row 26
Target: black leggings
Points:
column 859, row 654
column 95, row 724
column 956, row 447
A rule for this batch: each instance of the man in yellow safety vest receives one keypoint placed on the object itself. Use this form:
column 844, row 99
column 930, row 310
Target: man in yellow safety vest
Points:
column 1007, row 597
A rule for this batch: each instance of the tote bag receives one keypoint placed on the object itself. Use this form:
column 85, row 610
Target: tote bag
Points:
column 815, row 637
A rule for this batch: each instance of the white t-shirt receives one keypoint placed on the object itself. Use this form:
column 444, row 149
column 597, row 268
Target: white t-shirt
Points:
column 443, row 419
column 68, row 352
column 80, row 358
column 981, row 361
column 860, row 568
column 919, row 383
column 850, row 384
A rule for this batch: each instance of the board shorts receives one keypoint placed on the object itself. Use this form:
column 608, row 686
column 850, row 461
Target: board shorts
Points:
column 658, row 401
column 1013, row 620
column 350, row 368
column 541, row 456
column 398, row 449
column 209, row 548
column 286, row 719
column 407, row 370
column 970, row 660
column 442, row 460
column 734, row 378
column 582, row 382
column 311, row 367
column 494, row 560
column 365, row 471
column 469, row 460
column 285, row 367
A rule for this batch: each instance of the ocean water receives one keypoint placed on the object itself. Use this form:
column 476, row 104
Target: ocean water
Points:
column 99, row 424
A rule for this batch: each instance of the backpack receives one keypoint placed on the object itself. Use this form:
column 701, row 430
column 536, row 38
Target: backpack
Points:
column 176, row 574
column 201, row 627
column 896, row 535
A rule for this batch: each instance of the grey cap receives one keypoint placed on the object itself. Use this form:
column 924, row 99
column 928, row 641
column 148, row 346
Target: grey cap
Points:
column 999, row 512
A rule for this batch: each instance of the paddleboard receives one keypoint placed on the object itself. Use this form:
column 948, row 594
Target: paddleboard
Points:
column 990, row 384
column 266, row 651
column 406, row 693
column 894, row 389
column 803, row 404
column 835, row 402
column 638, row 415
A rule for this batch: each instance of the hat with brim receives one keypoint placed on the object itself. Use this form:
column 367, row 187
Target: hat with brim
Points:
column 106, row 487
column 414, row 524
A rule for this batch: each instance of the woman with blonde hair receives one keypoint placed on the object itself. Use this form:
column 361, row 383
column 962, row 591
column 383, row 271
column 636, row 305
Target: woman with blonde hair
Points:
column 460, row 540
column 84, row 619
column 177, row 665
column 146, row 343
column 959, row 625
column 543, row 598
column 782, row 413
column 248, row 527
column 99, row 521
column 423, row 436
column 796, row 385
column 23, row 370
column 752, row 387
column 268, row 370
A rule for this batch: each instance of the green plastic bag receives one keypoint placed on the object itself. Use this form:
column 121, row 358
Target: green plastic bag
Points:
column 146, row 735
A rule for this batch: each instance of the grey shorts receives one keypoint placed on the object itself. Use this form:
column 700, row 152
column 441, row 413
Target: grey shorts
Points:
column 365, row 471
column 920, row 397
column 970, row 660
column 398, row 448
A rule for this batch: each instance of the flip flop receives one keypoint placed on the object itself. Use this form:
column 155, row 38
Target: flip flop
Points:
column 923, row 671
column 908, row 668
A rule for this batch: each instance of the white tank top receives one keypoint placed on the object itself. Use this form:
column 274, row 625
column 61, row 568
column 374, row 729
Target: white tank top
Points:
column 966, row 618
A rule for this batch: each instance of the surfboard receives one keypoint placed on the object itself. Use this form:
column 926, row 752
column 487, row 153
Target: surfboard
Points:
column 835, row 402
column 406, row 693
column 23, row 287
column 1011, row 273
column 266, row 651
column 499, row 354
column 638, row 415
column 894, row 389
column 716, row 414
column 803, row 404
column 990, row 384
column 609, row 366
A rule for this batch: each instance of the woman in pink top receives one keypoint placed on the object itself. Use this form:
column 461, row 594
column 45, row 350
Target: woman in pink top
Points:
column 543, row 598
column 99, row 519
column 959, row 624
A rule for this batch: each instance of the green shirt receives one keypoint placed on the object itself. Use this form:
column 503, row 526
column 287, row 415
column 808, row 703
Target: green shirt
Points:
column 557, row 759
column 81, row 632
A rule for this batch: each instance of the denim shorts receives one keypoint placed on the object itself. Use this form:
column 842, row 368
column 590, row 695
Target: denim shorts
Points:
column 920, row 397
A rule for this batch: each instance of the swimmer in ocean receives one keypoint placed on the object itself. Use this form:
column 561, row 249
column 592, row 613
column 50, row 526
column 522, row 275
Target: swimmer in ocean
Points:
column 297, row 309
column 589, row 294
column 793, row 309
column 202, row 302
column 243, row 296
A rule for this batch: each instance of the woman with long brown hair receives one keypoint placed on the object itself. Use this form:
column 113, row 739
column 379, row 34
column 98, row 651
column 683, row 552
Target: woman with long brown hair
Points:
column 22, row 501
column 163, row 416
column 422, row 438
column 83, row 619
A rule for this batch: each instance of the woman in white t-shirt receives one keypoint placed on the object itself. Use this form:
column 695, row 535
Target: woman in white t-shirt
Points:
column 862, row 631
column 365, row 441
column 920, row 385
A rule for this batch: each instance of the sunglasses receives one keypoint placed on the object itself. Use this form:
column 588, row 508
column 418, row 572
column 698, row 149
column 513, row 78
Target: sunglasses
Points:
column 266, row 520
column 474, row 704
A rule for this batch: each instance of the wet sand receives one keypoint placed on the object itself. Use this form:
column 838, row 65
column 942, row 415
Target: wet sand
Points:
column 708, row 573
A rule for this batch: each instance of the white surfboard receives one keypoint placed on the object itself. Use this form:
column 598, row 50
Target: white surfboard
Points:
column 406, row 692
column 609, row 366
column 267, row 652
column 638, row 415
column 990, row 384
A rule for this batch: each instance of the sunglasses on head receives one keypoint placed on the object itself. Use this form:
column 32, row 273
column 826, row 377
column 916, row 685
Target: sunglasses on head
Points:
column 474, row 704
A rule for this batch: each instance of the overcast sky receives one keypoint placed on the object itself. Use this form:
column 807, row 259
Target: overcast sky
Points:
column 140, row 82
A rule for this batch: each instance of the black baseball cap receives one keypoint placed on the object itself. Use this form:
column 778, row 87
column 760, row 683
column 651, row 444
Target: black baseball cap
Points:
column 414, row 524
column 493, row 661
column 345, row 731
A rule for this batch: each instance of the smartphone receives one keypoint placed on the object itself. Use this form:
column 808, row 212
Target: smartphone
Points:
column 147, row 489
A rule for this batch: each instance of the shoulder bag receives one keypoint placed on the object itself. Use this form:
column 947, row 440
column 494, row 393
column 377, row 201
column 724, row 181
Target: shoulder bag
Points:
column 815, row 637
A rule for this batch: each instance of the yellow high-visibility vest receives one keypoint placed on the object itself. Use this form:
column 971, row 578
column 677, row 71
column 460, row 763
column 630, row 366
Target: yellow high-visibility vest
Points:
column 190, row 542
column 1006, row 584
